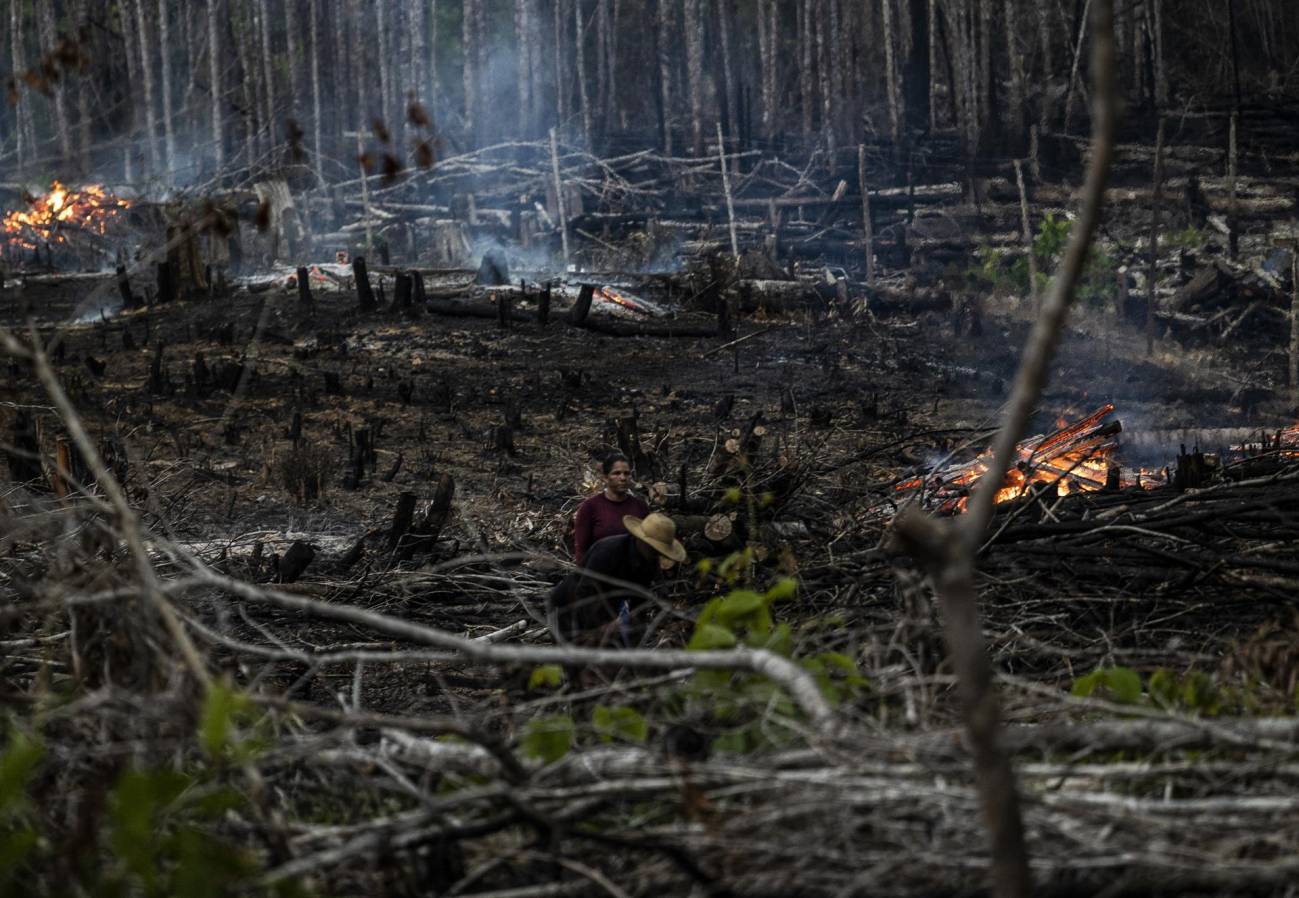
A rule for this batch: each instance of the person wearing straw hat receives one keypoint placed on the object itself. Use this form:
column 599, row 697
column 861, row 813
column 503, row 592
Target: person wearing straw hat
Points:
column 595, row 604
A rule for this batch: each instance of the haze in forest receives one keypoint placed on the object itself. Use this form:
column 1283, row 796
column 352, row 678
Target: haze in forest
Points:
column 178, row 92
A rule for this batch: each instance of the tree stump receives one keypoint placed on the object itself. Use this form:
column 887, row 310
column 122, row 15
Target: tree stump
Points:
column 124, row 288
column 403, row 292
column 166, row 282
column 582, row 308
column 304, row 287
column 543, row 307
column 364, row 292
column 402, row 519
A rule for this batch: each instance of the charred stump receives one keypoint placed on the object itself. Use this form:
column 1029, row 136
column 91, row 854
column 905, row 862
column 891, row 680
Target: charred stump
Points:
column 364, row 292
column 543, row 307
column 582, row 308
column 166, row 282
column 403, row 292
column 124, row 288
column 304, row 287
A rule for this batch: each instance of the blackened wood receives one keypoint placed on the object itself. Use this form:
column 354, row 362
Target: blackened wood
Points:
column 582, row 308
column 417, row 284
column 304, row 286
column 294, row 562
column 295, row 427
column 403, row 292
column 166, row 282
column 504, row 309
column 402, row 519
column 124, row 288
column 543, row 307
column 503, row 439
column 333, row 383
column 364, row 292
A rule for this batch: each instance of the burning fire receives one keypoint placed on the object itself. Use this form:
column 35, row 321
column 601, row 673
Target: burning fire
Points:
column 1078, row 457
column 62, row 209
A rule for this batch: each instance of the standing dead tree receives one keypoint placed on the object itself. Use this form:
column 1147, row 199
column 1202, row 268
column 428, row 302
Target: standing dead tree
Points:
column 950, row 556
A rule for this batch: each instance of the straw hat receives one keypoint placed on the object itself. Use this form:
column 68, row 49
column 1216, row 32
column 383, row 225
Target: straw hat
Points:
column 659, row 532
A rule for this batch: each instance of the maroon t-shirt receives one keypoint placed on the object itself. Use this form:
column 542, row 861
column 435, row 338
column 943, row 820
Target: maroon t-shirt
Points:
column 599, row 517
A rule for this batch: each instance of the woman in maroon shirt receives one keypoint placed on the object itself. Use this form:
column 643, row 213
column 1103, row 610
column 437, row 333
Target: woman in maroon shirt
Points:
column 601, row 515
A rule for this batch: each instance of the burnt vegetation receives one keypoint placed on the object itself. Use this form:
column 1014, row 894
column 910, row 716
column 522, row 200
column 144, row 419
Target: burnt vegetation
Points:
column 959, row 338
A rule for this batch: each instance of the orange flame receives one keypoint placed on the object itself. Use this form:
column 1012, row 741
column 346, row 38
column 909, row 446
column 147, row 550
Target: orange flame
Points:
column 1084, row 466
column 62, row 209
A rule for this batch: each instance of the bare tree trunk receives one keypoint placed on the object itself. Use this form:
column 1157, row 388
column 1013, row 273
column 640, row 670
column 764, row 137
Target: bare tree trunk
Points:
column 726, row 189
column 868, row 246
column 1161, row 71
column 766, row 57
column 434, row 78
column 602, row 62
column 583, row 95
column 933, row 60
column 292, row 24
column 469, row 43
column 129, row 48
column 560, row 203
column 666, row 39
column 805, row 84
column 45, row 24
column 834, row 36
column 168, row 126
column 1048, row 64
column 1015, row 59
column 242, row 37
column 615, row 108
column 823, row 72
column 890, row 76
column 313, row 33
column 26, row 129
column 1152, row 278
column 268, row 72
column 146, row 68
column 345, row 83
column 83, row 104
column 728, row 86
column 383, row 62
column 214, row 82
column 985, row 113
column 1233, row 237
column 523, row 35
column 1027, row 229
column 1073, row 71
column 692, row 29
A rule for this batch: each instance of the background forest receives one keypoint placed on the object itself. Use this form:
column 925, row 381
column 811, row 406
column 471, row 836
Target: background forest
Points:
column 181, row 90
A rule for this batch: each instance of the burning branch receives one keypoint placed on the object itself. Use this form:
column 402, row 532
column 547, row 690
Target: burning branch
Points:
column 88, row 210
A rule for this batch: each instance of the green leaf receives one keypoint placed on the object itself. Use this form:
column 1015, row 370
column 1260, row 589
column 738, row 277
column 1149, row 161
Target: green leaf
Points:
column 738, row 605
column 1122, row 684
column 733, row 495
column 1162, row 687
column 547, row 676
column 548, row 738
column 785, row 588
column 619, row 722
column 17, row 766
column 137, row 800
column 222, row 711
column 1085, row 686
column 15, row 847
column 735, row 742
column 711, row 636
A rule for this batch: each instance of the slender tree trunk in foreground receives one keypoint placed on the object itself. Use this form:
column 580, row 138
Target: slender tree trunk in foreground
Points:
column 214, row 83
